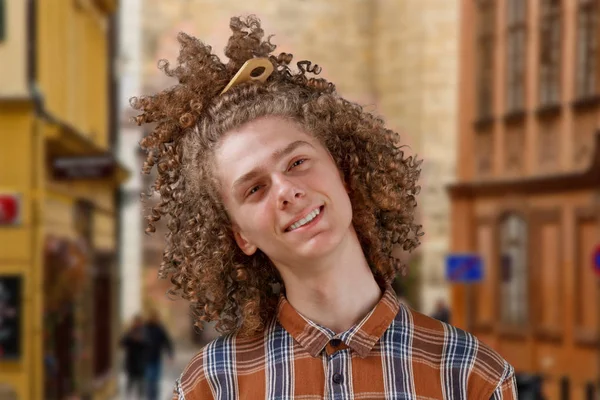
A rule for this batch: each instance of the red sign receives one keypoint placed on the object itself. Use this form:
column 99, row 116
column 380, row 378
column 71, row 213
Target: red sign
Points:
column 10, row 209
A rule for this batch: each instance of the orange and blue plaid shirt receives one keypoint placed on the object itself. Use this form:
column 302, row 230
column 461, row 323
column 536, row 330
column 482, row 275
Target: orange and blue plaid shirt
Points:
column 393, row 353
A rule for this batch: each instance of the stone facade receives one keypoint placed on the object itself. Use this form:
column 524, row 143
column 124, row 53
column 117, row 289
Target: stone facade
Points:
column 527, row 196
column 416, row 52
column 132, row 234
column 395, row 57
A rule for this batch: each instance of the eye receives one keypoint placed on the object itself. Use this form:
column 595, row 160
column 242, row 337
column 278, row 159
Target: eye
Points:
column 297, row 162
column 253, row 190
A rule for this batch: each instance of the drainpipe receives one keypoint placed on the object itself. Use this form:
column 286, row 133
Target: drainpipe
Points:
column 36, row 275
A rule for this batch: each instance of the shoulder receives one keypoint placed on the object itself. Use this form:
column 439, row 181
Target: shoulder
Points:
column 193, row 379
column 216, row 362
column 461, row 355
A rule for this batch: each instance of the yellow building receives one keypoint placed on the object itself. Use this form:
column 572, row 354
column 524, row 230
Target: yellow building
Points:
column 58, row 247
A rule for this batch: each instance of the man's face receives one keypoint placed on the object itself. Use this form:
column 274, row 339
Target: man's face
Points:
column 283, row 192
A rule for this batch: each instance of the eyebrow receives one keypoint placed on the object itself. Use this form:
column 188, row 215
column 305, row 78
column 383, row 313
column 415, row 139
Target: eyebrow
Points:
column 276, row 156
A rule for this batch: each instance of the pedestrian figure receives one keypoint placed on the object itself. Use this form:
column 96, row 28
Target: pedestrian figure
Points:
column 442, row 312
column 134, row 345
column 158, row 341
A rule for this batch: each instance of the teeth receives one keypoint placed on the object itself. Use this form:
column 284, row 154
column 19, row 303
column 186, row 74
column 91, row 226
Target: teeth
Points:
column 306, row 219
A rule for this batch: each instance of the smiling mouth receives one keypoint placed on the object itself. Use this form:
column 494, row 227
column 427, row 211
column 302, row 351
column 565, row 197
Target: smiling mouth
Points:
column 313, row 215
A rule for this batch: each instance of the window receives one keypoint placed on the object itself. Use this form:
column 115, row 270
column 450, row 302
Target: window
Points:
column 550, row 52
column 485, row 58
column 514, row 296
column 516, row 49
column 2, row 20
column 103, row 312
column 585, row 285
column 587, row 48
column 590, row 391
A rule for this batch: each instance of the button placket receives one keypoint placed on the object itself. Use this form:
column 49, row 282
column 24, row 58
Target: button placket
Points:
column 336, row 381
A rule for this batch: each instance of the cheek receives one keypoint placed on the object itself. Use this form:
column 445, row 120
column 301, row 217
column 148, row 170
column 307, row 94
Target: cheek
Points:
column 342, row 197
column 255, row 220
column 334, row 181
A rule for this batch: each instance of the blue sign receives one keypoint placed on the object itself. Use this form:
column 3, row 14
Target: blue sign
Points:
column 464, row 268
column 597, row 260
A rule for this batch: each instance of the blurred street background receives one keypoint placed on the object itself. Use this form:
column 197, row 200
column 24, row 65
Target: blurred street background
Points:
column 500, row 98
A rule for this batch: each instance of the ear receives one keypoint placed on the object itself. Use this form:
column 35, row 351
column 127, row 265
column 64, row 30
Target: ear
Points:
column 244, row 244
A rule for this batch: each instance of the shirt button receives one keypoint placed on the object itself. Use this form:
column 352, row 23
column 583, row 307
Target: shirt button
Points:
column 335, row 342
column 337, row 378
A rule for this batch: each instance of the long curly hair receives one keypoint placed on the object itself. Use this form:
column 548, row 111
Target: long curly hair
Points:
column 201, row 257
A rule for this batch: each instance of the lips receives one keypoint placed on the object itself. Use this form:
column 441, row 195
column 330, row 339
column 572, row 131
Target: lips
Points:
column 311, row 213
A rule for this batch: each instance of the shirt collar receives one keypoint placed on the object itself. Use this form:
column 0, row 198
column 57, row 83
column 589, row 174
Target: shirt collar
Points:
column 360, row 338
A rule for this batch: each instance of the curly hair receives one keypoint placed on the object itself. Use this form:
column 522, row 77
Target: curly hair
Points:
column 201, row 256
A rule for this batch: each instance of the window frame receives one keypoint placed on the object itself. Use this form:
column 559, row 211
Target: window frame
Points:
column 508, row 301
column 551, row 42
column 516, row 55
column 103, row 311
column 3, row 20
column 587, row 56
column 485, row 66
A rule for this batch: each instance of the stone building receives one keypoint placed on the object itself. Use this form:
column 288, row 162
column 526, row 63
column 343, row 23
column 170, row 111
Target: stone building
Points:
column 395, row 57
column 527, row 198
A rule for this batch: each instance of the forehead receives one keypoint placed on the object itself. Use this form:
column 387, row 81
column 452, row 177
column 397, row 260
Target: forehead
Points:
column 266, row 131
column 253, row 144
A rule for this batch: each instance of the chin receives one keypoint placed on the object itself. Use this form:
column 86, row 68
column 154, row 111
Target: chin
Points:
column 321, row 246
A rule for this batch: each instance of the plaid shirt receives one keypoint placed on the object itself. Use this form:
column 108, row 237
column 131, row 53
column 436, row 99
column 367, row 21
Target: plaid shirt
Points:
column 393, row 353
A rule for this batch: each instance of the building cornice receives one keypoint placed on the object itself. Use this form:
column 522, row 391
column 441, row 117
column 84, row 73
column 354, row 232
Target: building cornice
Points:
column 589, row 178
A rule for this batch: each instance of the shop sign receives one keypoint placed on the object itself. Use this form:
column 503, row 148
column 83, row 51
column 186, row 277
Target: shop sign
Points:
column 10, row 209
column 10, row 316
column 83, row 167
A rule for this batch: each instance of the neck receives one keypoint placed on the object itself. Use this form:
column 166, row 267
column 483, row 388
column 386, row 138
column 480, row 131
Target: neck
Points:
column 336, row 292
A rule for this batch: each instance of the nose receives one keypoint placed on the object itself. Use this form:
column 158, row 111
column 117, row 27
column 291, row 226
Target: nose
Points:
column 288, row 191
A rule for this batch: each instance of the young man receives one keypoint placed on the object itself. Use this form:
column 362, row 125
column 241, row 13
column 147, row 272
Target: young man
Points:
column 279, row 182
